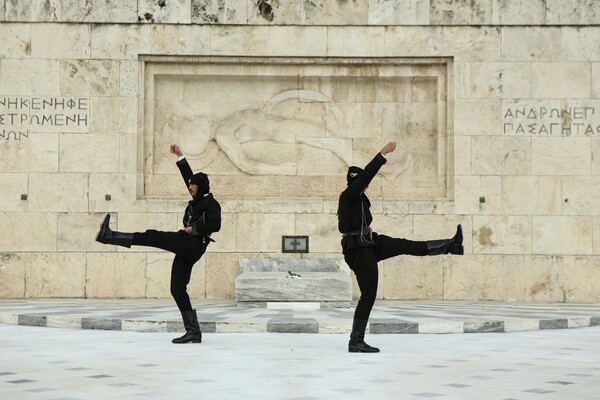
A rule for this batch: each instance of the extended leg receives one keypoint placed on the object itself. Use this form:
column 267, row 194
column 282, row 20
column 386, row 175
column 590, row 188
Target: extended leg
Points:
column 388, row 247
column 175, row 242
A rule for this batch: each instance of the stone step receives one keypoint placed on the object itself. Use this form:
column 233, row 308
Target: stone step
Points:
column 252, row 287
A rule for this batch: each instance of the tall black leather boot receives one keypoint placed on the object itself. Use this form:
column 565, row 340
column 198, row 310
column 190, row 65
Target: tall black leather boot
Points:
column 447, row 246
column 357, row 338
column 192, row 328
column 106, row 236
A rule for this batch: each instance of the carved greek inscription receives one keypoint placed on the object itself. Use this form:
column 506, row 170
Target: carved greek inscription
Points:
column 528, row 120
column 21, row 115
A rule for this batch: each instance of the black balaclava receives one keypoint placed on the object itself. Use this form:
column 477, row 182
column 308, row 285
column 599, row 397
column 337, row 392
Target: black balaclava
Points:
column 200, row 179
column 353, row 173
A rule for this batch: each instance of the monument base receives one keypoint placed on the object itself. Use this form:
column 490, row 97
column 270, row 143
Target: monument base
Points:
column 268, row 283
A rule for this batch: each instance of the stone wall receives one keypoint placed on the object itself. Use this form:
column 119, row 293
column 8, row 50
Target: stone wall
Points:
column 517, row 151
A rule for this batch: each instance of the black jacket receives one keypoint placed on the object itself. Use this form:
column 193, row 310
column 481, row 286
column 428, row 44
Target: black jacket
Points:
column 202, row 213
column 354, row 212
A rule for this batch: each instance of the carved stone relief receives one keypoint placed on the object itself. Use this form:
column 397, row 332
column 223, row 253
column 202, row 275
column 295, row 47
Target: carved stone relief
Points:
column 285, row 122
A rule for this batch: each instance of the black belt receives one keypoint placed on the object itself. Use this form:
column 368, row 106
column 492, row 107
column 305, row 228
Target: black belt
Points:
column 346, row 234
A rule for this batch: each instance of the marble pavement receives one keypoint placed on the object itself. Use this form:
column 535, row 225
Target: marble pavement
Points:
column 80, row 364
column 98, row 349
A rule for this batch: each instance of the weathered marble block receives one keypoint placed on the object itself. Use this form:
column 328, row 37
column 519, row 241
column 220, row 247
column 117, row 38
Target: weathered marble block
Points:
column 267, row 280
column 290, row 264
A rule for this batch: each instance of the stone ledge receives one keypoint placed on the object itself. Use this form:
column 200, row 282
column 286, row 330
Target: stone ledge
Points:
column 292, row 324
column 388, row 317
column 304, row 325
column 321, row 281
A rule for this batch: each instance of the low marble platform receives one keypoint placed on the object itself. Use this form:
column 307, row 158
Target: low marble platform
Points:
column 225, row 316
column 322, row 281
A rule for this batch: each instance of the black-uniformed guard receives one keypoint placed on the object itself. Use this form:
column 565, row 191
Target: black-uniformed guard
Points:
column 363, row 248
column 202, row 217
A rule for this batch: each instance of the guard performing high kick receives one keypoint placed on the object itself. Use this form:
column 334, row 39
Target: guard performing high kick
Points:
column 202, row 217
column 363, row 248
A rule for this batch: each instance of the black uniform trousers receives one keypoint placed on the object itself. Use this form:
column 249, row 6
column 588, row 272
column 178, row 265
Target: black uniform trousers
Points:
column 187, row 249
column 363, row 262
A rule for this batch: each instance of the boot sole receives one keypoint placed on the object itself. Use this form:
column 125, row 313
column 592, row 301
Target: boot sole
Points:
column 189, row 341
column 361, row 351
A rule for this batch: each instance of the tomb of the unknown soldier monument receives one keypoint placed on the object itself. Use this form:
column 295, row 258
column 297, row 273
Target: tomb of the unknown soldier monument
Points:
column 240, row 199
column 493, row 106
